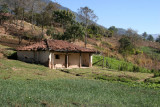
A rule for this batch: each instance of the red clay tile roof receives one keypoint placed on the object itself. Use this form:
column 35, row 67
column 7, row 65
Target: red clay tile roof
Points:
column 55, row 45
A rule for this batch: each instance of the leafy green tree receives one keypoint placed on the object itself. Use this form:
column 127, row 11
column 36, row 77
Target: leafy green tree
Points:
column 126, row 46
column 4, row 8
column 87, row 16
column 65, row 18
column 158, row 39
column 47, row 15
column 144, row 35
column 74, row 31
column 150, row 38
column 113, row 29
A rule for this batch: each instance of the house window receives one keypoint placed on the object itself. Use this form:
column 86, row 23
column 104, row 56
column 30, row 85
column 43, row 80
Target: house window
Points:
column 57, row 57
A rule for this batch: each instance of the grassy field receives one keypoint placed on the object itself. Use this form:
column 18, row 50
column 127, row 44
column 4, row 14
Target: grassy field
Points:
column 110, row 75
column 75, row 92
column 24, row 84
column 29, row 85
column 13, row 69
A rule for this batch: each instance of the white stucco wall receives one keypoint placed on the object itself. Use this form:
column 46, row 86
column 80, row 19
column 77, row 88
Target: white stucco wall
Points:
column 59, row 63
column 43, row 56
column 32, row 56
column 27, row 56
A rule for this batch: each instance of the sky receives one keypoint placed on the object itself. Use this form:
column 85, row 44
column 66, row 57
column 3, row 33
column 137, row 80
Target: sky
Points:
column 140, row 15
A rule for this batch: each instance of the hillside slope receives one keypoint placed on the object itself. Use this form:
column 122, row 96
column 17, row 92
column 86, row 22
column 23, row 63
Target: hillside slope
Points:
column 10, row 32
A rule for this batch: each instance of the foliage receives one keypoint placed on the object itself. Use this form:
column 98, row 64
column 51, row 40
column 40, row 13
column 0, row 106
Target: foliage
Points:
column 158, row 39
column 151, row 52
column 113, row 30
column 74, row 31
column 121, row 65
column 65, row 18
column 156, row 73
column 150, row 38
column 144, row 35
column 126, row 46
column 50, row 31
column 136, row 69
column 4, row 8
column 57, row 36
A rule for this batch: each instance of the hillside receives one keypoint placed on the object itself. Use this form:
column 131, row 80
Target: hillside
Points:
column 9, row 34
column 123, row 72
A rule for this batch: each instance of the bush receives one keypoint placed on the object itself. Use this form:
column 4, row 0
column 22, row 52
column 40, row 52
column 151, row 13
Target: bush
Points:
column 57, row 36
column 156, row 73
column 123, row 67
column 136, row 69
column 138, row 52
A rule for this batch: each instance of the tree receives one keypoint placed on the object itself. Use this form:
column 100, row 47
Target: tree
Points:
column 126, row 46
column 144, row 35
column 4, row 8
column 4, row 13
column 113, row 29
column 133, row 35
column 65, row 18
column 150, row 38
column 158, row 39
column 74, row 31
column 87, row 16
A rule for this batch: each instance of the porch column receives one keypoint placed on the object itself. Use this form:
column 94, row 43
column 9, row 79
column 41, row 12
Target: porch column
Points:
column 67, row 60
column 90, row 60
column 80, row 60
column 51, row 61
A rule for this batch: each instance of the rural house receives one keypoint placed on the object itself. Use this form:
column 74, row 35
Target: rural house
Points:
column 56, row 54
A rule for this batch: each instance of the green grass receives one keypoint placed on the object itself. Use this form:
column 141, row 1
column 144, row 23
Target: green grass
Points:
column 151, row 52
column 110, row 75
column 113, row 63
column 75, row 92
column 154, row 80
column 30, row 85
column 13, row 69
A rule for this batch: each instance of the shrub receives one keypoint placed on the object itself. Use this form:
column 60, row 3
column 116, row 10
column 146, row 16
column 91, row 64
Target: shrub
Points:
column 138, row 52
column 136, row 69
column 156, row 73
column 123, row 67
